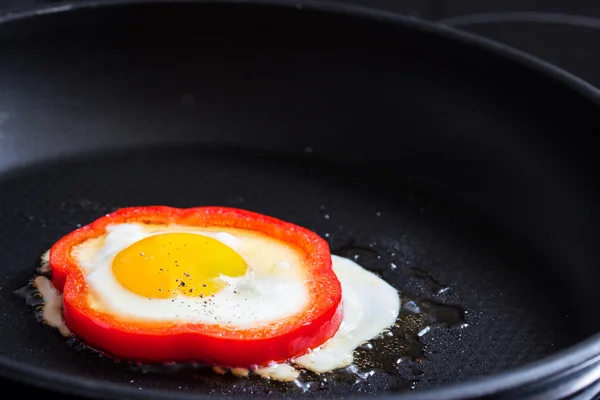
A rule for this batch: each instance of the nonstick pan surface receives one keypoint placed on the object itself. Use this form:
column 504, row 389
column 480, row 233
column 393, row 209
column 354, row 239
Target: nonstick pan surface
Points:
column 435, row 161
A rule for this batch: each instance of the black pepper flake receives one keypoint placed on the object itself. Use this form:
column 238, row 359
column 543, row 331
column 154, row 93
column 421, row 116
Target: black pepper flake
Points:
column 173, row 301
column 159, row 289
column 186, row 274
column 201, row 296
column 204, row 285
column 235, row 292
column 182, row 283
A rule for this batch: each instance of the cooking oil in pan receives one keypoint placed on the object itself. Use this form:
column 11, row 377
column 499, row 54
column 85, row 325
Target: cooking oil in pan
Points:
column 33, row 298
column 429, row 280
column 398, row 352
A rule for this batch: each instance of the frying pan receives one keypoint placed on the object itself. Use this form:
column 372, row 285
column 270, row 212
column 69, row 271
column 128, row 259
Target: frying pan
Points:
column 467, row 165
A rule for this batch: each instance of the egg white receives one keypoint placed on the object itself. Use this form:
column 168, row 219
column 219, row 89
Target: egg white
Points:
column 270, row 290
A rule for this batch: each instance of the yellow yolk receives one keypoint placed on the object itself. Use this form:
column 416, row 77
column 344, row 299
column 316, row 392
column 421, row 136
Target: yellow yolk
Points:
column 165, row 265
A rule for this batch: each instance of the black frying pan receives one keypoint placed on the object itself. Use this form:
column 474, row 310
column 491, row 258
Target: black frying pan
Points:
column 465, row 164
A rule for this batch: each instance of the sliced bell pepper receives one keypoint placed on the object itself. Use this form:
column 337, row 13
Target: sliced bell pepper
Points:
column 200, row 342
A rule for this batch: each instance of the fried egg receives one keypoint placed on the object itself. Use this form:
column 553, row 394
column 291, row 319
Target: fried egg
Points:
column 189, row 274
column 233, row 277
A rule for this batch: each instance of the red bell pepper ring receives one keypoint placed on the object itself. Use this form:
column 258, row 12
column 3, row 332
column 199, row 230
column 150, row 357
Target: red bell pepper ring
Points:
column 200, row 342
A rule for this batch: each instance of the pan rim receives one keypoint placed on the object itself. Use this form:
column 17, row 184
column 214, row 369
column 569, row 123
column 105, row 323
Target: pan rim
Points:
column 546, row 368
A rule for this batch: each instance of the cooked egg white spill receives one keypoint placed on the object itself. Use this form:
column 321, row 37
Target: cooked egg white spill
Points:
column 270, row 289
column 370, row 306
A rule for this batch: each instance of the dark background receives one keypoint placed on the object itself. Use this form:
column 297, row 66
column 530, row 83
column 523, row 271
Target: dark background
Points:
column 564, row 32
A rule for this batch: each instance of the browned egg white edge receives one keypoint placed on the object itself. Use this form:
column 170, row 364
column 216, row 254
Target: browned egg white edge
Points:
column 52, row 308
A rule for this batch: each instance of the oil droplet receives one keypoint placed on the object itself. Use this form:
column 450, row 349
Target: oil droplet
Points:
column 356, row 253
column 412, row 307
column 426, row 277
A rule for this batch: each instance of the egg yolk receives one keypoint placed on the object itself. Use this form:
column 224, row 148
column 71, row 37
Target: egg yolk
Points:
column 166, row 265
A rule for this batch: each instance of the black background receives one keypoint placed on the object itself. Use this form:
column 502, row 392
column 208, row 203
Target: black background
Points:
column 566, row 33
